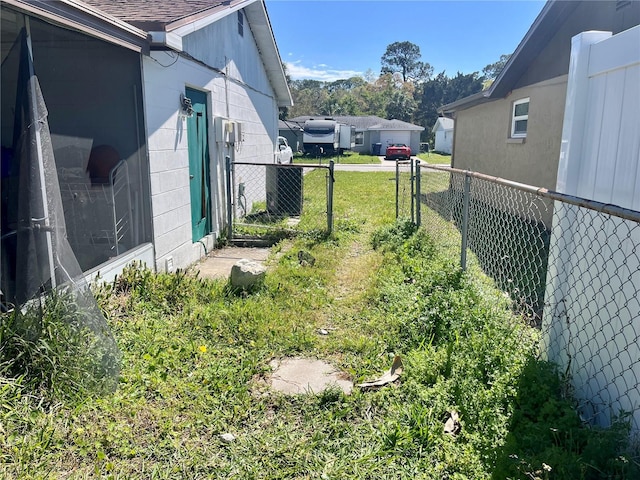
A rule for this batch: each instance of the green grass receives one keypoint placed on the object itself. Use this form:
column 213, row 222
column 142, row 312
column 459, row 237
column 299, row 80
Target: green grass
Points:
column 435, row 158
column 352, row 158
column 195, row 358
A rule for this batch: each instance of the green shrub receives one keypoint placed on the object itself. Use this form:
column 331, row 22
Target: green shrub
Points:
column 393, row 236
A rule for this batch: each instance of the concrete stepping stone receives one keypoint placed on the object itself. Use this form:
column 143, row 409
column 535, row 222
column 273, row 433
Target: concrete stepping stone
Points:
column 295, row 376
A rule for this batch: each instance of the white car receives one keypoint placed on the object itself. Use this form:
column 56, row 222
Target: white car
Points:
column 284, row 154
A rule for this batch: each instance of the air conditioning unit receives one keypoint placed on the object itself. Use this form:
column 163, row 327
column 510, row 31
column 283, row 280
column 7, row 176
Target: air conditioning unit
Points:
column 284, row 190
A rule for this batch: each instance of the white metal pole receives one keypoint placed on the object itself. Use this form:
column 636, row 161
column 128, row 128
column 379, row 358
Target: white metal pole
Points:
column 36, row 119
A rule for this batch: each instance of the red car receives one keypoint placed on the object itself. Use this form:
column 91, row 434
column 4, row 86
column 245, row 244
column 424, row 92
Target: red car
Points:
column 397, row 150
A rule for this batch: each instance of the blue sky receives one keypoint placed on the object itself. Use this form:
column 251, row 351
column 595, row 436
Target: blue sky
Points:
column 331, row 39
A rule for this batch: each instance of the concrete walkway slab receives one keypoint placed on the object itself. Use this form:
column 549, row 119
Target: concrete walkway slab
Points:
column 295, row 376
column 219, row 263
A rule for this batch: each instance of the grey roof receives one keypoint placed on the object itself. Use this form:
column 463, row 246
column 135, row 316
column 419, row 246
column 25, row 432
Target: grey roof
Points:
column 395, row 125
column 160, row 14
column 367, row 122
column 84, row 17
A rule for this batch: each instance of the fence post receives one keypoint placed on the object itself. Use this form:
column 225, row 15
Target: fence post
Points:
column 465, row 220
column 330, row 198
column 418, row 208
column 397, row 188
column 411, row 180
column 229, row 199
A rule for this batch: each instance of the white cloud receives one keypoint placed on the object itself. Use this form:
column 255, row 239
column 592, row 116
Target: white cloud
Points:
column 299, row 72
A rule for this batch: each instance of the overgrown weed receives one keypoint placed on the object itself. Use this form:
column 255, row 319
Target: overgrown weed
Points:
column 468, row 353
column 55, row 349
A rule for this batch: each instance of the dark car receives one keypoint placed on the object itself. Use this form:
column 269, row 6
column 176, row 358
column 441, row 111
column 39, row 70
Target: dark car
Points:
column 397, row 150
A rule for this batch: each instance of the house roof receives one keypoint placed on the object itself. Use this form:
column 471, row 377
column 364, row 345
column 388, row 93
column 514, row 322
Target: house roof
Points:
column 444, row 122
column 395, row 125
column 86, row 18
column 367, row 122
column 552, row 15
column 167, row 21
column 161, row 15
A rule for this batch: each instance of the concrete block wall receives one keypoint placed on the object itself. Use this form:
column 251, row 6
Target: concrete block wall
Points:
column 245, row 95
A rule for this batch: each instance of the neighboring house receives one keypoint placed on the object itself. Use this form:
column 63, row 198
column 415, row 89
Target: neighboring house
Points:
column 513, row 129
column 389, row 132
column 292, row 132
column 371, row 130
column 171, row 87
column 443, row 130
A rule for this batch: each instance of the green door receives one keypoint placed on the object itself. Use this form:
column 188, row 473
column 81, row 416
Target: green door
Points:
column 197, row 136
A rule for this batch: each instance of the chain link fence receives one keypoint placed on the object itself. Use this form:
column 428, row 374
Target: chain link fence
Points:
column 267, row 202
column 570, row 266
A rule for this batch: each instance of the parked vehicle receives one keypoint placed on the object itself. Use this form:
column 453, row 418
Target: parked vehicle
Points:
column 327, row 137
column 347, row 137
column 320, row 137
column 397, row 150
column 284, row 154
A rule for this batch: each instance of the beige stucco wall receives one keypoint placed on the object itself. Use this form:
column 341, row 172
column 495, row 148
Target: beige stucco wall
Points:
column 482, row 142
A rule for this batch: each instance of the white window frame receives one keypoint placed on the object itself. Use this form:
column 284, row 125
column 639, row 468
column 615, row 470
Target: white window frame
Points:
column 517, row 118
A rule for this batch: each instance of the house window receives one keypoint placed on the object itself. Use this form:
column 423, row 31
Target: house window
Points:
column 240, row 23
column 520, row 118
column 359, row 138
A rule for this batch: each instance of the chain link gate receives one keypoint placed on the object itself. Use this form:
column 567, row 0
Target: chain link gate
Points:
column 405, row 193
column 570, row 266
column 268, row 202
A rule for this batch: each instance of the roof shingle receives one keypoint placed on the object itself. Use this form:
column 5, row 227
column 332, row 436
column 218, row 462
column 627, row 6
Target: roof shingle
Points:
column 155, row 14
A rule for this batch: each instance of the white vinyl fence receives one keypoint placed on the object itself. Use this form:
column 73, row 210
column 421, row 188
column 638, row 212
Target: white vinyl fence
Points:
column 592, row 308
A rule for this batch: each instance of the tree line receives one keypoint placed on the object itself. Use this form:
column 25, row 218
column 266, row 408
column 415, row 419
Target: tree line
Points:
column 406, row 89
